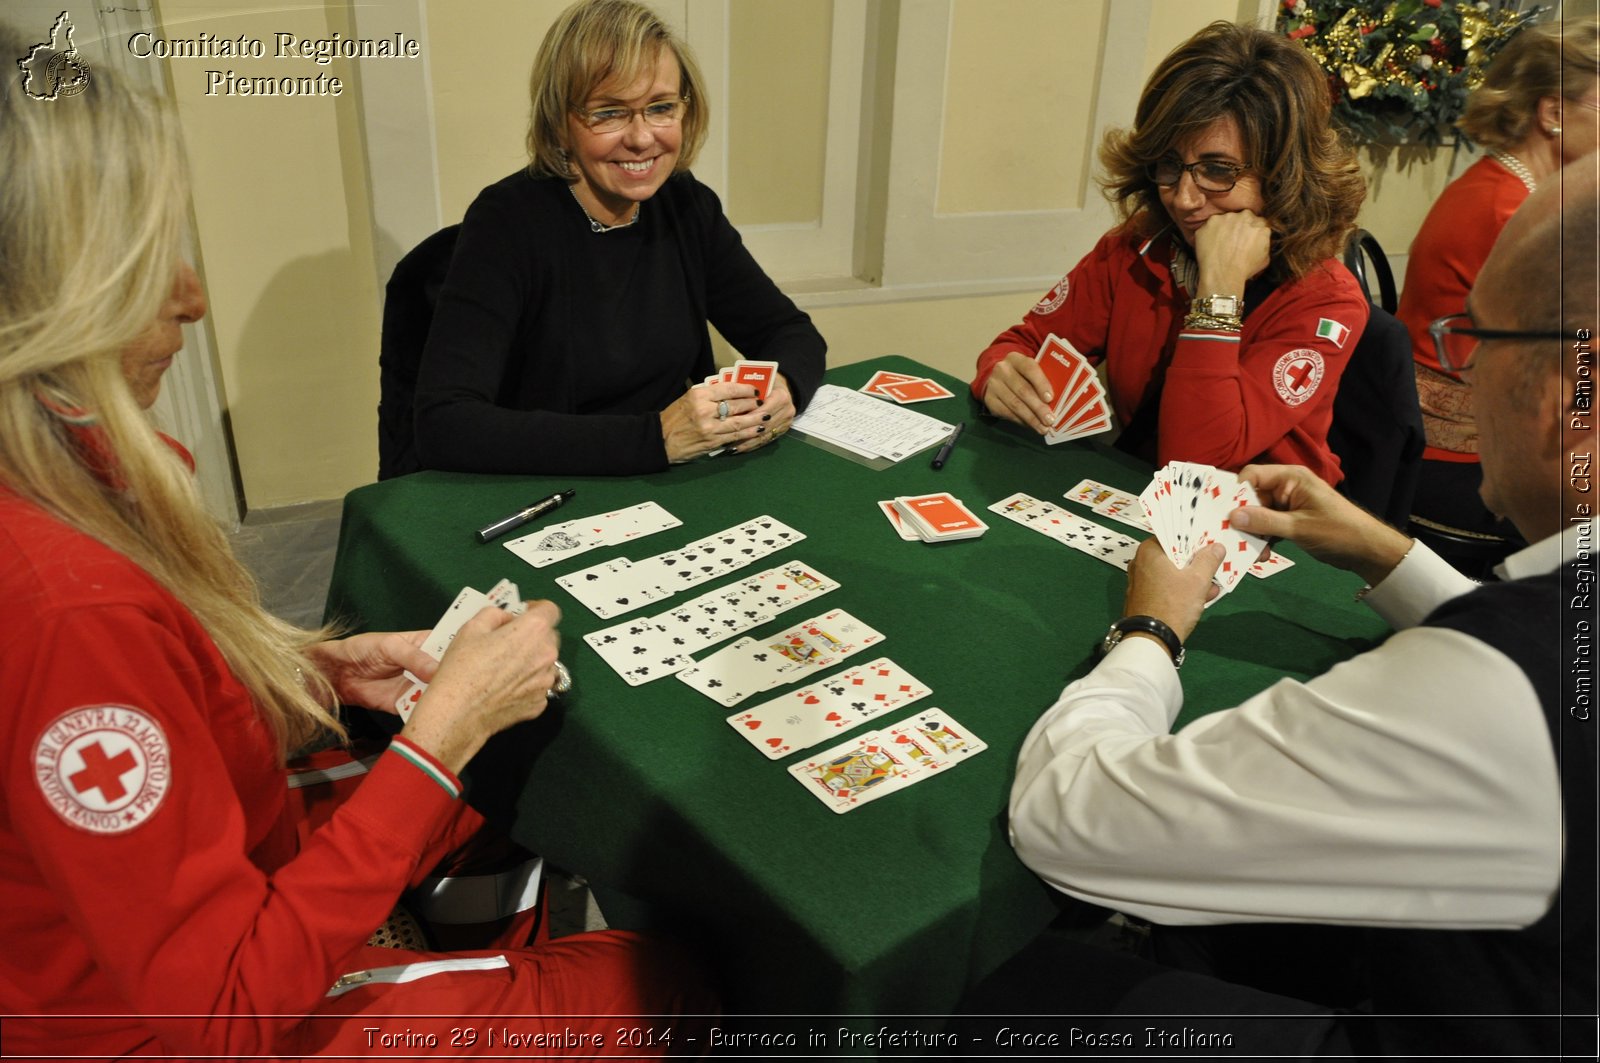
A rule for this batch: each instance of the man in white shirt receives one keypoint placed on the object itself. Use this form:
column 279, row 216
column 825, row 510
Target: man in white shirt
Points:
column 1413, row 796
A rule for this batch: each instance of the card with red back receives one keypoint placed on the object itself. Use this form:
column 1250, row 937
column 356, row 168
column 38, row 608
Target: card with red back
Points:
column 883, row 377
column 908, row 391
column 758, row 375
column 940, row 516
column 1063, row 366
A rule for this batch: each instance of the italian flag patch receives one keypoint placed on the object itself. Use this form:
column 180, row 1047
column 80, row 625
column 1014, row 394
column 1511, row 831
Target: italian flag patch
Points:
column 1328, row 329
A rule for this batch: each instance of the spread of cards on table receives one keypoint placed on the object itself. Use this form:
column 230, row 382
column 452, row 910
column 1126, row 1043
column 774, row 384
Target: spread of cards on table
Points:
column 1080, row 407
column 867, row 426
column 905, row 388
column 1185, row 504
column 503, row 595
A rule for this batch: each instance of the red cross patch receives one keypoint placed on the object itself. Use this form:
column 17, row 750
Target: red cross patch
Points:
column 1053, row 298
column 1297, row 375
column 104, row 769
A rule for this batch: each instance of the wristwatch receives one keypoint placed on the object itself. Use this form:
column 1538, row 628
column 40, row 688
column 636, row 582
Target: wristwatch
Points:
column 1149, row 625
column 1218, row 306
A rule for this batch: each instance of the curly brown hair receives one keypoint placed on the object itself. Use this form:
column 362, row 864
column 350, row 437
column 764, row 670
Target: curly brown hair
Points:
column 1278, row 95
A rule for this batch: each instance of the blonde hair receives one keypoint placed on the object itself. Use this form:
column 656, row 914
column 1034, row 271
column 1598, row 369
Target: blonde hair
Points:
column 1270, row 86
column 93, row 208
column 1547, row 60
column 593, row 42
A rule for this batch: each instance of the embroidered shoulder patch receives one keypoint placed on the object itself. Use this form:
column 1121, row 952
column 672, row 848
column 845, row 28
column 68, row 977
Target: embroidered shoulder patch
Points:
column 1297, row 375
column 105, row 769
column 1330, row 330
column 1052, row 299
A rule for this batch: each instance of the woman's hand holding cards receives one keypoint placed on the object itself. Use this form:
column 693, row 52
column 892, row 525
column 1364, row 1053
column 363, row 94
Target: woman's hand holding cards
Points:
column 778, row 408
column 1017, row 391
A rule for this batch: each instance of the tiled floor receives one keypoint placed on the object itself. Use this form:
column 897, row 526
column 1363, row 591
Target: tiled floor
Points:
column 290, row 552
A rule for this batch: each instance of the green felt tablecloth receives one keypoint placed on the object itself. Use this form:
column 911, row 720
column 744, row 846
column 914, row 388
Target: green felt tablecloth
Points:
column 897, row 906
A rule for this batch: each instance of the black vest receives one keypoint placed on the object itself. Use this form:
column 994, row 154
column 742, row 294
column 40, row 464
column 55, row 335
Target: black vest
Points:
column 1508, row 986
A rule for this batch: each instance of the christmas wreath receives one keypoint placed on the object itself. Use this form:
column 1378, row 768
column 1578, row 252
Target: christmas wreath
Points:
column 1400, row 71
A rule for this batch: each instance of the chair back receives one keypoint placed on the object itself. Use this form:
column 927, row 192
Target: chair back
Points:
column 408, row 302
column 1377, row 422
column 1364, row 257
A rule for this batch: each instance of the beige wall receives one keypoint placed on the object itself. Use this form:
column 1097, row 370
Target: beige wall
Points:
column 285, row 249
column 283, row 213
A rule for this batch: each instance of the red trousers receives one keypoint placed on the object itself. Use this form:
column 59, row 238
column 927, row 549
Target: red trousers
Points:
column 610, row 993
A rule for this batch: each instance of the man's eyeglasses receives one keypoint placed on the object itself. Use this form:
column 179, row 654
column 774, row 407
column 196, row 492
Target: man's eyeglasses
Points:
column 1210, row 175
column 1455, row 338
column 616, row 119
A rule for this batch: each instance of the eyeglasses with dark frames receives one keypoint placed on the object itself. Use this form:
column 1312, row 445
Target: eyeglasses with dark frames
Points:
column 1210, row 175
column 1455, row 338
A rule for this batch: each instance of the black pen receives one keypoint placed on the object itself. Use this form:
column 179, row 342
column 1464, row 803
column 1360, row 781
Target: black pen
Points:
column 523, row 516
column 944, row 452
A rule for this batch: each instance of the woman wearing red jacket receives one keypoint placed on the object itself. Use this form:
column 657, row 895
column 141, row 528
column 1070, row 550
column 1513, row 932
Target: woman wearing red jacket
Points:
column 159, row 895
column 1218, row 306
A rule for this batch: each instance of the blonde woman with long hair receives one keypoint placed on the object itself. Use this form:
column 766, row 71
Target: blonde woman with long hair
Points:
column 159, row 896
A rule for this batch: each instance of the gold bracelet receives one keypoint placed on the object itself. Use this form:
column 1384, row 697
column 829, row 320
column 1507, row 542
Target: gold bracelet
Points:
column 1212, row 322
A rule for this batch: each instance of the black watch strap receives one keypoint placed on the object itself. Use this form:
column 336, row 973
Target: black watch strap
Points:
column 1150, row 625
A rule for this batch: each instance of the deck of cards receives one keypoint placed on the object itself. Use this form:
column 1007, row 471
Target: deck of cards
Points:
column 880, row 762
column 1080, row 408
column 1188, row 506
column 935, row 518
column 1069, row 529
column 758, row 375
column 503, row 595
column 904, row 388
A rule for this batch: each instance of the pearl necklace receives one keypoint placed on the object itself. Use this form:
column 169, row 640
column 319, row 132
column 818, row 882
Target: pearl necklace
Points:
column 1517, row 167
column 595, row 226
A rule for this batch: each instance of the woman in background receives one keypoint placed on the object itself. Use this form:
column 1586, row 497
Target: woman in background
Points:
column 570, row 335
column 1534, row 112
column 160, row 895
column 1218, row 306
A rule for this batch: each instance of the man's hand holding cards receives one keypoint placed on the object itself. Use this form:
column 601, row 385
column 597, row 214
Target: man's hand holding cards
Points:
column 1188, row 506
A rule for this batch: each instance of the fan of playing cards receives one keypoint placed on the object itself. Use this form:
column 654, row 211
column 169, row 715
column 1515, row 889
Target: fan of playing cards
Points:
column 1080, row 407
column 1188, row 507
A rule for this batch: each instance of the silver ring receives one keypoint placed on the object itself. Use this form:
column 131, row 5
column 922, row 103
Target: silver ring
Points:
column 563, row 683
column 722, row 410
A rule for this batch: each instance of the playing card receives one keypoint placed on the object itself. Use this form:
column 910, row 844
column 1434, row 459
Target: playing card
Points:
column 639, row 650
column 1110, row 502
column 757, row 374
column 570, row 538
column 909, row 391
column 898, row 520
column 612, row 588
column 750, row 666
column 467, row 604
column 866, row 768
column 1188, row 505
column 1272, row 563
column 829, row 706
column 882, row 377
